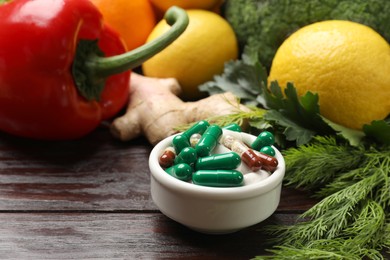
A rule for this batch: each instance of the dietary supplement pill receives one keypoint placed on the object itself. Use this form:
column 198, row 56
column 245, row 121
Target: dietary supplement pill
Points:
column 198, row 128
column 208, row 141
column 167, row 158
column 187, row 155
column 180, row 142
column 218, row 178
column 248, row 156
column 263, row 139
column 181, row 171
column 269, row 163
column 194, row 139
column 253, row 159
column 222, row 161
column 268, row 150
column 233, row 127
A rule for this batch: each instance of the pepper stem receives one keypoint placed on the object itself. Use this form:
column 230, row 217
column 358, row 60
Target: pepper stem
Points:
column 90, row 68
column 107, row 66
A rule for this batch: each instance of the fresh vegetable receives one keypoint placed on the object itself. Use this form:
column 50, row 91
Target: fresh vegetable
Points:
column 56, row 62
column 155, row 111
column 262, row 25
column 352, row 221
column 164, row 5
column 196, row 55
column 346, row 63
column 133, row 20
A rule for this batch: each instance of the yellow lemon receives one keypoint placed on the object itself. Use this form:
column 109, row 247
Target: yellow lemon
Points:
column 163, row 5
column 346, row 63
column 197, row 55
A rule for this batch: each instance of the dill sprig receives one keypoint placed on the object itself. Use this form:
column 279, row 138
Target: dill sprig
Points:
column 313, row 165
column 242, row 118
column 352, row 221
column 364, row 238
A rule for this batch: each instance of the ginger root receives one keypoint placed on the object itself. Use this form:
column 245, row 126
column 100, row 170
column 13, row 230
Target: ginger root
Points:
column 154, row 110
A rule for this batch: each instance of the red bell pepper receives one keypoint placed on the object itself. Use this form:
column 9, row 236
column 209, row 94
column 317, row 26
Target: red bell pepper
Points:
column 62, row 70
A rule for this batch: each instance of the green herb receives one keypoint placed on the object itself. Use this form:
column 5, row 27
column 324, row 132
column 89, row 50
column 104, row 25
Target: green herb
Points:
column 352, row 221
column 241, row 118
column 313, row 165
column 379, row 130
column 243, row 78
column 300, row 117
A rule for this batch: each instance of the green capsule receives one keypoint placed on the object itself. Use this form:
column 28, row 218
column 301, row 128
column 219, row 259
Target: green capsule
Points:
column 181, row 171
column 268, row 150
column 187, row 155
column 180, row 142
column 198, row 128
column 233, row 127
column 222, row 161
column 208, row 141
column 218, row 178
column 265, row 138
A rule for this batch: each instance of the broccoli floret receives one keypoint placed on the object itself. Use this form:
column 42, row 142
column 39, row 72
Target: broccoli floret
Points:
column 261, row 26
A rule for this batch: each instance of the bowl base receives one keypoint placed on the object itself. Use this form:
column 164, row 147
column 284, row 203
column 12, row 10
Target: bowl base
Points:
column 214, row 232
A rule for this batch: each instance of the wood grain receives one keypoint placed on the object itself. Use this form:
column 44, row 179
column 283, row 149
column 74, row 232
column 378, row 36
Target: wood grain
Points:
column 90, row 199
column 121, row 236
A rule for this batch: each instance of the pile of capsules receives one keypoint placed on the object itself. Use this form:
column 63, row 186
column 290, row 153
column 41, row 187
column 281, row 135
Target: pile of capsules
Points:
column 194, row 156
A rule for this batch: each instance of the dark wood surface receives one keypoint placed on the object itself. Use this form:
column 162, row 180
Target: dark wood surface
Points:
column 90, row 199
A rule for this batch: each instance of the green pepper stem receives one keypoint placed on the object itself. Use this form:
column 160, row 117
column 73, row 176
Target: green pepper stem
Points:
column 103, row 67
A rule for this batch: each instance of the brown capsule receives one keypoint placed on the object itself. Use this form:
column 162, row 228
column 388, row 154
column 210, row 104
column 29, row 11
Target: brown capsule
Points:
column 250, row 158
column 253, row 159
column 269, row 163
column 167, row 158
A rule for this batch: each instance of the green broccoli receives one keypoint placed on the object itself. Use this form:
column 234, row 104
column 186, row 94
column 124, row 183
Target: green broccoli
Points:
column 261, row 26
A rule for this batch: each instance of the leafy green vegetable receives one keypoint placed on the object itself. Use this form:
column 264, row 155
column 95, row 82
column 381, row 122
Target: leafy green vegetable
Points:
column 353, row 136
column 352, row 221
column 379, row 130
column 300, row 116
column 262, row 25
column 241, row 77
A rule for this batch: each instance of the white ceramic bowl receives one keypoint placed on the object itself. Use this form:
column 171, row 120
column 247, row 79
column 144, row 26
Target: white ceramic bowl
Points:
column 214, row 210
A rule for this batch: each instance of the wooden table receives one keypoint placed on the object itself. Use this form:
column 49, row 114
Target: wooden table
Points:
column 90, row 198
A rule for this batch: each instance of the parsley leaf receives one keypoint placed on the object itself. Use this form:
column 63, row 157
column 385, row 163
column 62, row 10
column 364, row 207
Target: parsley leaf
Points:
column 240, row 78
column 292, row 131
column 378, row 130
column 301, row 115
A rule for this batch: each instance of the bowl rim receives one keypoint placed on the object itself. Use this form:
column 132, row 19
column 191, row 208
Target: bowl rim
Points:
column 216, row 193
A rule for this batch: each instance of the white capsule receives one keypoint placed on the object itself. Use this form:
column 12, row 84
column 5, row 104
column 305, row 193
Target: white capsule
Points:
column 194, row 139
